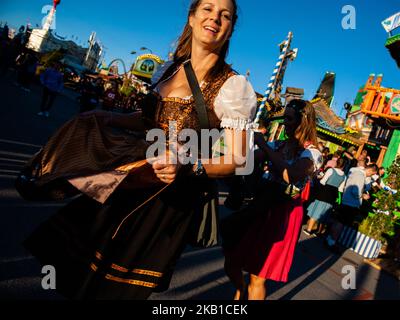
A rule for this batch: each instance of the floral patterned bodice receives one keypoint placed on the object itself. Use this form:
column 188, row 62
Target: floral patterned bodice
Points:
column 183, row 111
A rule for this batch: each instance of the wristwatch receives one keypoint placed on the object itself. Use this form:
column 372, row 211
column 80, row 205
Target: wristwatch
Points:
column 199, row 170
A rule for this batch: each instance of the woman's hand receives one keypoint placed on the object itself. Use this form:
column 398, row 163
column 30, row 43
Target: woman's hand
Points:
column 166, row 168
column 366, row 196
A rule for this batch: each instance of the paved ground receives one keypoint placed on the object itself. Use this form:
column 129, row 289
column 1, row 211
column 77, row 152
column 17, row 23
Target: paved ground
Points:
column 316, row 273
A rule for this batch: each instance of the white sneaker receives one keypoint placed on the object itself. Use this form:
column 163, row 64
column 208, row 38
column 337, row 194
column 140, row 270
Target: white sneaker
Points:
column 40, row 113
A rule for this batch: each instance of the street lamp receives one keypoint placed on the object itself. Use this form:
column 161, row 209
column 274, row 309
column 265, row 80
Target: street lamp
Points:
column 133, row 52
column 144, row 48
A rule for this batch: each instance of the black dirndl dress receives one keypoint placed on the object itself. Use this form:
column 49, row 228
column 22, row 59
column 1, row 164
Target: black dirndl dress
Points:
column 99, row 251
column 126, row 247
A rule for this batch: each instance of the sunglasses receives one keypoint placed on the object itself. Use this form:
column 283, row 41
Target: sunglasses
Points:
column 297, row 105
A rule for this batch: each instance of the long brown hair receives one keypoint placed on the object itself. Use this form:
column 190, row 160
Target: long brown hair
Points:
column 184, row 48
column 306, row 131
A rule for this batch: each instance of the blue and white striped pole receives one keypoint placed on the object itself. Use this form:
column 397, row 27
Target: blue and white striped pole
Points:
column 275, row 74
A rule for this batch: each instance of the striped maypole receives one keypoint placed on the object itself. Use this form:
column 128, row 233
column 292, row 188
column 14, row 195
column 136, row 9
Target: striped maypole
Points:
column 275, row 74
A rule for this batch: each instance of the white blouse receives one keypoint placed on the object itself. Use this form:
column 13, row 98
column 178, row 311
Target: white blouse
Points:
column 310, row 152
column 236, row 102
column 314, row 155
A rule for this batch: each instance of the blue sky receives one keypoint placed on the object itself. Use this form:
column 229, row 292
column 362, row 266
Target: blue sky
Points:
column 123, row 26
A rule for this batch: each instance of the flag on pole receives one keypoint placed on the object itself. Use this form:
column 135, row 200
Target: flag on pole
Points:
column 392, row 22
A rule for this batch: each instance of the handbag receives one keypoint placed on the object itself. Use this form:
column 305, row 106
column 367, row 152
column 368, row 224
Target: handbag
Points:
column 269, row 194
column 204, row 228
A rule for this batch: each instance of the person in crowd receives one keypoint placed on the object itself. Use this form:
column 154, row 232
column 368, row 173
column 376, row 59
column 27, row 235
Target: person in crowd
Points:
column 99, row 88
column 353, row 195
column 91, row 91
column 374, row 184
column 364, row 156
column 327, row 192
column 27, row 64
column 332, row 163
column 5, row 32
column 52, row 80
column 377, row 180
column 127, row 247
column 350, row 157
column 265, row 240
column 5, row 55
column 325, row 154
column 321, row 146
column 111, row 97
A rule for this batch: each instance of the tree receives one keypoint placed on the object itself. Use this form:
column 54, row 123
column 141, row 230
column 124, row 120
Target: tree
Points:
column 384, row 222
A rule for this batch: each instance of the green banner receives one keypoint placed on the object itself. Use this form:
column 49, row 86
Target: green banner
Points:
column 393, row 147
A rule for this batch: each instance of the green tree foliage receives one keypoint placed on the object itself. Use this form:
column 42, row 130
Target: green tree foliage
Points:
column 381, row 223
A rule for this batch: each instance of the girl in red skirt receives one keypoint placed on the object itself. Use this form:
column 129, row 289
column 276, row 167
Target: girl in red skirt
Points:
column 267, row 232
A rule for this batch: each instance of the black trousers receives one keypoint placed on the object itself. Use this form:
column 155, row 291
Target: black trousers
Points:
column 47, row 99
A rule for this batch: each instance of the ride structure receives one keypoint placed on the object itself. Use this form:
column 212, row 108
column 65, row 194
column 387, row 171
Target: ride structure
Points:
column 370, row 121
column 330, row 127
column 113, row 66
column 376, row 110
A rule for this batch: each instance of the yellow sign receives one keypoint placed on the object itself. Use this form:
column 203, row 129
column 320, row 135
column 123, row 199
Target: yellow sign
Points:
column 146, row 65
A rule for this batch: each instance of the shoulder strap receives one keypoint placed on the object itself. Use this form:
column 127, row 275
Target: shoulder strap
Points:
column 198, row 96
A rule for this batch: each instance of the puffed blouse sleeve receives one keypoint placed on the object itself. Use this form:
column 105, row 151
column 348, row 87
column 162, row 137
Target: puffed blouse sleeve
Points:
column 314, row 155
column 236, row 103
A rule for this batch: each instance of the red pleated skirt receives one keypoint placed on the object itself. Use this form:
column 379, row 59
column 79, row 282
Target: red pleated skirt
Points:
column 267, row 247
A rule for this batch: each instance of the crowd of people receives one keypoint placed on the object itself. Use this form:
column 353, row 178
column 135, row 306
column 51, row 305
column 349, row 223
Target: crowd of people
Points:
column 94, row 90
column 343, row 193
